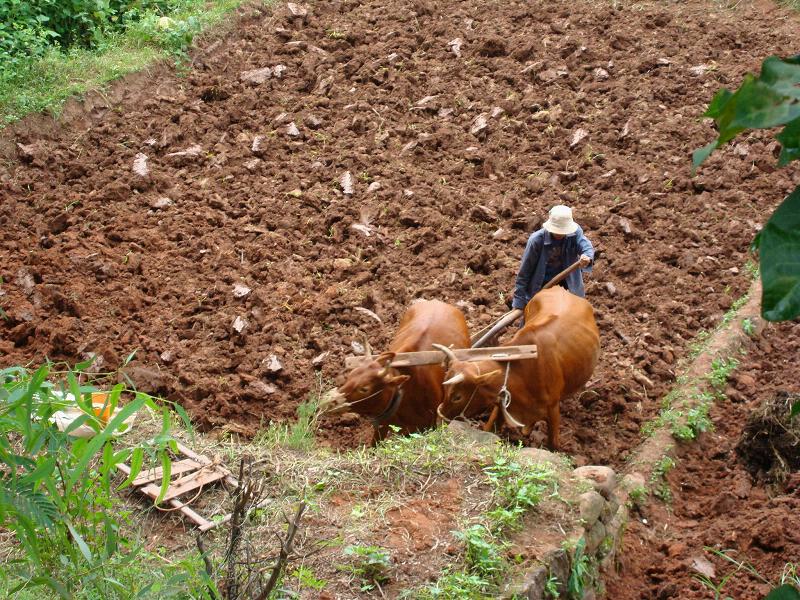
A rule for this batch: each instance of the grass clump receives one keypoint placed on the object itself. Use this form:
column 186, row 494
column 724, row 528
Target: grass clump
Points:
column 516, row 488
column 658, row 478
column 50, row 51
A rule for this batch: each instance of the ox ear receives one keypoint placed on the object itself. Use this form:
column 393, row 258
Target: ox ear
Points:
column 397, row 380
column 385, row 358
column 482, row 379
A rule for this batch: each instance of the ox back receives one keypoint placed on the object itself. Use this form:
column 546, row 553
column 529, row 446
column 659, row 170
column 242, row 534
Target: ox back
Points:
column 563, row 327
column 425, row 323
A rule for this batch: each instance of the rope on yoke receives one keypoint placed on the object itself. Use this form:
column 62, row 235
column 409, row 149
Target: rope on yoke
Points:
column 505, row 395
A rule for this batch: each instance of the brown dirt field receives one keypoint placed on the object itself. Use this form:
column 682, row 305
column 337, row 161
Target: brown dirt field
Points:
column 97, row 259
column 716, row 503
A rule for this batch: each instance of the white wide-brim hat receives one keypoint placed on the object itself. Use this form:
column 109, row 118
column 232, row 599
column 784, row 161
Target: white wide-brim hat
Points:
column 560, row 221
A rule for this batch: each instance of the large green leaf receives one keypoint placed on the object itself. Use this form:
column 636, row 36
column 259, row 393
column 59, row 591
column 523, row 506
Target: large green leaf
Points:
column 769, row 100
column 790, row 143
column 779, row 248
column 783, row 592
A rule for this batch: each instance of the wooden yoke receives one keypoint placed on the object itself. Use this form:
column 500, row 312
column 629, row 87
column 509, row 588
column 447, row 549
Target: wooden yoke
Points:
column 434, row 357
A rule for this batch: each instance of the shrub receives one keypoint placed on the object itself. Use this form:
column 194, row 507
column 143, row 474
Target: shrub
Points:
column 56, row 491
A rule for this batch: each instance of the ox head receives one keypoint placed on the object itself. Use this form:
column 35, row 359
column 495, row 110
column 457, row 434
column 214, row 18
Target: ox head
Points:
column 367, row 390
column 470, row 390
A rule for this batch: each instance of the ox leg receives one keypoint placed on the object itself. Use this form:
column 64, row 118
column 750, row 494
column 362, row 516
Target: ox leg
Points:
column 492, row 418
column 379, row 434
column 553, row 425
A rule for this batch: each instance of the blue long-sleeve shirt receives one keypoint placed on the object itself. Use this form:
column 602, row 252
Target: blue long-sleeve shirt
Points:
column 530, row 278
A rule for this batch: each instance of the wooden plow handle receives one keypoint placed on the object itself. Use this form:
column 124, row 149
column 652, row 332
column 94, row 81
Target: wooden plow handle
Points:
column 486, row 334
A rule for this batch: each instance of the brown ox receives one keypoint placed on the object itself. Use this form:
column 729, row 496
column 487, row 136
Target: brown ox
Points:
column 405, row 397
column 563, row 328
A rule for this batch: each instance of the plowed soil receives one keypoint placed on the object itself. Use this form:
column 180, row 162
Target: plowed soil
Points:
column 716, row 504
column 460, row 124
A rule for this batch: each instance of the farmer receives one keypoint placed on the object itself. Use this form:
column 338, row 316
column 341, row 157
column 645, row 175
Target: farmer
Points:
column 557, row 245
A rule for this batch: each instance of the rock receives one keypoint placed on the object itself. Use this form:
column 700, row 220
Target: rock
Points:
column 319, row 359
column 558, row 562
column 239, row 324
column 312, row 122
column 256, row 146
column 496, row 112
column 278, row 71
column 167, row 356
column 591, row 506
column 190, row 152
column 600, row 74
column 292, row 130
column 611, row 288
column 274, row 364
column 27, row 152
column 240, row 290
column 604, row 479
column 59, row 223
column 483, row 213
column 358, row 348
column 424, row 103
column 577, row 136
column 479, row 124
column 464, row 430
column 369, row 313
column 346, row 182
column 160, row 203
column 539, row 456
column 374, row 187
column 532, row 587
column 703, row 566
column 642, row 379
column 698, row 70
column 454, row 46
column 594, row 537
column 341, row 264
column 260, row 389
column 297, row 10
column 362, row 228
column 256, row 76
column 140, row 165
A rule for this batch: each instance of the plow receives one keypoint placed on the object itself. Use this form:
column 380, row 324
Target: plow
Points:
column 479, row 349
column 483, row 347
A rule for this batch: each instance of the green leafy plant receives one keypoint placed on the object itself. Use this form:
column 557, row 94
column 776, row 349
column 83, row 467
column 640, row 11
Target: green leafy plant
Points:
column 658, row 478
column 721, row 369
column 517, row 488
column 581, row 573
column 307, row 579
column 370, row 563
column 483, row 555
column 551, row 587
column 770, row 100
column 56, row 490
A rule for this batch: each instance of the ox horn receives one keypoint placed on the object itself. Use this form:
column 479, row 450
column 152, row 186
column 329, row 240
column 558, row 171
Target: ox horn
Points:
column 509, row 419
column 440, row 415
column 457, row 378
column 367, row 347
column 449, row 354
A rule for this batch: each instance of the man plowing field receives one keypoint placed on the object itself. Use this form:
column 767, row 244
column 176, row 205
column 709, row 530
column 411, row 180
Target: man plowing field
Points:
column 549, row 251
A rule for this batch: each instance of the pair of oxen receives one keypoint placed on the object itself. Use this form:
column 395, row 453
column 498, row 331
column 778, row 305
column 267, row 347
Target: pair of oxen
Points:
column 560, row 324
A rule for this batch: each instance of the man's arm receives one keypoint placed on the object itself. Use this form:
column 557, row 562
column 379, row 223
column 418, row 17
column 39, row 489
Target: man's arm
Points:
column 585, row 248
column 526, row 268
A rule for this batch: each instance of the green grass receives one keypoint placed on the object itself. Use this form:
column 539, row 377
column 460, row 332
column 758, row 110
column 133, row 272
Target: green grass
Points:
column 46, row 83
column 517, row 488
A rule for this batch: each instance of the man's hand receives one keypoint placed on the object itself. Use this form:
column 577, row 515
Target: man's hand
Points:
column 585, row 260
